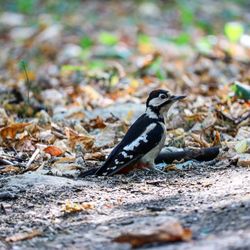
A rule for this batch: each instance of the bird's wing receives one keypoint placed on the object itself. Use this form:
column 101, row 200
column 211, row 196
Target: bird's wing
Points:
column 129, row 151
column 133, row 132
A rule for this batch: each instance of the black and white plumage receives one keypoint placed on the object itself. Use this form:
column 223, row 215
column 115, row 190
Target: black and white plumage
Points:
column 144, row 139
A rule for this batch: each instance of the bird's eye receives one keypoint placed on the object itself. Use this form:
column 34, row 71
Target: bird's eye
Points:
column 163, row 96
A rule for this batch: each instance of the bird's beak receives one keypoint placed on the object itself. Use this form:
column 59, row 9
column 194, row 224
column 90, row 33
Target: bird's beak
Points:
column 177, row 97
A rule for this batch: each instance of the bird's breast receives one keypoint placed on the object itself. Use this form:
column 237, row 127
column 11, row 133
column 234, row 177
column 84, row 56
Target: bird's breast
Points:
column 153, row 153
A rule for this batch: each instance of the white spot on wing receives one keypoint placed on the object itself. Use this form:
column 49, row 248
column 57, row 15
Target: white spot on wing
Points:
column 117, row 162
column 125, row 155
column 142, row 137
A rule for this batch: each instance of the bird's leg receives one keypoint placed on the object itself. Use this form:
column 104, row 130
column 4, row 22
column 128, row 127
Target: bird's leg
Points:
column 155, row 169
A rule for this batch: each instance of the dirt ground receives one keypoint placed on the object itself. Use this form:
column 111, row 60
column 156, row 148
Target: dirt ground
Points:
column 213, row 201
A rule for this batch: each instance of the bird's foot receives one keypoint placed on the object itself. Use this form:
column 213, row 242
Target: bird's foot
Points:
column 155, row 169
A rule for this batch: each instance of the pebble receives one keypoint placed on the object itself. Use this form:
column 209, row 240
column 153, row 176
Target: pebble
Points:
column 244, row 160
column 5, row 195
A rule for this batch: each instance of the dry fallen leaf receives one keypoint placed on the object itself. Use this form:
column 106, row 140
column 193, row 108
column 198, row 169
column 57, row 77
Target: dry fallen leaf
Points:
column 200, row 140
column 75, row 138
column 53, row 150
column 9, row 169
column 155, row 231
column 91, row 93
column 64, row 165
column 10, row 131
column 244, row 160
column 97, row 122
column 171, row 167
column 97, row 156
column 24, row 236
column 217, row 139
column 71, row 207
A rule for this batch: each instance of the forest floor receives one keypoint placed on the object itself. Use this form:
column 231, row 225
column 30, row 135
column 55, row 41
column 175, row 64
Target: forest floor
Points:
column 74, row 75
column 213, row 201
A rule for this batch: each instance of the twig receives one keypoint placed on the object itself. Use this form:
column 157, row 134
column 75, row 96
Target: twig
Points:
column 35, row 154
column 6, row 162
column 58, row 134
column 202, row 154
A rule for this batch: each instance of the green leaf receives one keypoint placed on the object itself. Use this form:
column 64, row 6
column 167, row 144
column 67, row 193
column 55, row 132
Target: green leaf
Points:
column 23, row 65
column 157, row 69
column 69, row 67
column 96, row 64
column 186, row 13
column 114, row 80
column 241, row 90
column 86, row 42
column 144, row 39
column 26, row 6
column 234, row 31
column 107, row 38
column 182, row 39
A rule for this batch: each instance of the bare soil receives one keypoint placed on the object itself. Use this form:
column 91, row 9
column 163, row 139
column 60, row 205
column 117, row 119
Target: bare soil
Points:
column 213, row 201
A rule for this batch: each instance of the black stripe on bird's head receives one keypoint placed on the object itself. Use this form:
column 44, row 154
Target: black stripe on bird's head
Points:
column 160, row 100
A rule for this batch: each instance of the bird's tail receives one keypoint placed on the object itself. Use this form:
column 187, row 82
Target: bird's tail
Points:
column 88, row 172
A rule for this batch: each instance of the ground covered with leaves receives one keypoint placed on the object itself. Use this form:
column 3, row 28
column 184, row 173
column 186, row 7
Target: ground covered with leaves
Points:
column 74, row 75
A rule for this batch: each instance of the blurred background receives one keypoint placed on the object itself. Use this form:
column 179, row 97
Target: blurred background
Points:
column 91, row 53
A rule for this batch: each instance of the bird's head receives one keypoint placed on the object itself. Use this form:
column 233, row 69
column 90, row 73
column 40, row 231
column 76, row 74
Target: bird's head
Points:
column 159, row 101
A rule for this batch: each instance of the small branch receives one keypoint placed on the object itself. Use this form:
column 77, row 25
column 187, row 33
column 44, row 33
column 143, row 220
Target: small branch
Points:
column 33, row 157
column 203, row 154
column 6, row 162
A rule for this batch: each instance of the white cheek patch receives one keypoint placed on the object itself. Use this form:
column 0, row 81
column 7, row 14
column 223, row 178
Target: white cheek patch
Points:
column 151, row 114
column 156, row 102
column 142, row 137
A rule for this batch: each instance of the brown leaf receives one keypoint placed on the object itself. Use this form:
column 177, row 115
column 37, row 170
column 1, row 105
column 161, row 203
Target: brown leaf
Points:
column 53, row 150
column 217, row 139
column 97, row 123
column 199, row 139
column 91, row 93
column 10, row 131
column 66, row 160
column 94, row 156
column 64, row 164
column 24, row 236
column 75, row 138
column 171, row 167
column 9, row 168
column 168, row 231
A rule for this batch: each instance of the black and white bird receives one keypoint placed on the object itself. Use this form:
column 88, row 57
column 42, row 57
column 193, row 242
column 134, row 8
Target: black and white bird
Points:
column 143, row 140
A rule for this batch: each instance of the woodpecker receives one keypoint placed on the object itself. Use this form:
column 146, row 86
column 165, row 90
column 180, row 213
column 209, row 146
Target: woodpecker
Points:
column 143, row 140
